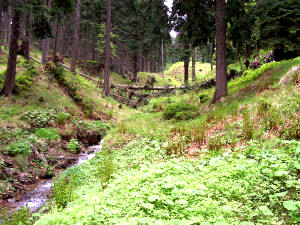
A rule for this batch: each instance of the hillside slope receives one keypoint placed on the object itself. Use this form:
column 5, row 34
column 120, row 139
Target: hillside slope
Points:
column 233, row 163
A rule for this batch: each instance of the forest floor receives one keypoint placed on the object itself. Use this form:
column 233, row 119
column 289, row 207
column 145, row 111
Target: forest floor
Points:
column 176, row 160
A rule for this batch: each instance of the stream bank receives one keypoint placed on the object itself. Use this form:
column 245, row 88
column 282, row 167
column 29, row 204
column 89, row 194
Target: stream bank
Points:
column 36, row 195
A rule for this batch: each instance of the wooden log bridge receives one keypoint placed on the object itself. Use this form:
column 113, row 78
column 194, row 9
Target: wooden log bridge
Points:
column 135, row 96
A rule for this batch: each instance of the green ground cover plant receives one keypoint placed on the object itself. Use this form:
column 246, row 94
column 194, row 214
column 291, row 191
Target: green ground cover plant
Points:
column 234, row 186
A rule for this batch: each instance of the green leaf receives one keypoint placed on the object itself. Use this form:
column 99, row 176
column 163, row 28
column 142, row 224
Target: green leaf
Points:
column 281, row 173
column 182, row 202
column 282, row 194
column 291, row 205
column 266, row 211
column 168, row 186
column 147, row 206
column 153, row 198
column 297, row 165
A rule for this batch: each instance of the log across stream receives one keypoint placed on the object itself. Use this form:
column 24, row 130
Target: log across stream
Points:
column 39, row 195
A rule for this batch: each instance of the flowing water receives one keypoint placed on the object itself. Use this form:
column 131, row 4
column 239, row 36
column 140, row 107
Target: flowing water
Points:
column 37, row 198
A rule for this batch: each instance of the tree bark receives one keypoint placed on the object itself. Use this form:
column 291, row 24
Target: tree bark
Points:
column 75, row 37
column 27, row 38
column 211, row 55
column 162, row 58
column 107, row 48
column 194, row 64
column 186, row 64
column 8, row 25
column 221, row 73
column 45, row 42
column 135, row 68
column 10, row 76
column 55, row 41
column 1, row 19
column 186, row 71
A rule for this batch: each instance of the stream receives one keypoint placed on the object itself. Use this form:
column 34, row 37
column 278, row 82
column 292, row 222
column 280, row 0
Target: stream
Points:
column 37, row 198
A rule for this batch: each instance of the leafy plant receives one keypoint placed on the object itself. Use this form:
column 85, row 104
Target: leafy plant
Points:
column 22, row 146
column 215, row 142
column 7, row 135
column 62, row 117
column 198, row 133
column 176, row 146
column 105, row 167
column 40, row 118
column 273, row 118
column 19, row 217
column 63, row 191
column 180, row 111
column 263, row 106
column 49, row 134
column 74, row 146
column 248, row 128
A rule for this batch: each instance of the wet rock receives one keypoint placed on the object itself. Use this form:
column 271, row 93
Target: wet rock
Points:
column 65, row 162
column 26, row 178
column 47, row 173
column 18, row 186
column 8, row 162
column 7, row 194
column 10, row 172
column 19, row 195
column 38, row 155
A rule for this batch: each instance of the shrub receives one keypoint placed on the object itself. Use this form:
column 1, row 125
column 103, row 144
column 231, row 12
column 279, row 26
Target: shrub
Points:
column 22, row 146
column 74, row 146
column 96, row 127
column 273, row 118
column 215, row 143
column 291, row 129
column 177, row 146
column 198, row 133
column 63, row 189
column 263, row 107
column 180, row 111
column 248, row 128
column 91, row 132
column 62, row 117
column 105, row 167
column 7, row 135
column 49, row 134
column 40, row 118
column 20, row 217
column 24, row 82
column 203, row 97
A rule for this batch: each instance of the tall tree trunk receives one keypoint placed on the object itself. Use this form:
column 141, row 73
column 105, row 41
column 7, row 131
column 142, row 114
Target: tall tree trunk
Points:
column 186, row 71
column 75, row 37
column 107, row 48
column 194, row 64
column 211, row 48
column 60, row 43
column 55, row 41
column 27, row 38
column 1, row 19
column 186, row 64
column 46, row 42
column 142, row 63
column 10, row 76
column 8, row 25
column 221, row 75
column 162, row 58
column 135, row 68
column 149, row 66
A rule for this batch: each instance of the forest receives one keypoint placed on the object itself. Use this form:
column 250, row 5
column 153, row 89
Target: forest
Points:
column 176, row 112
